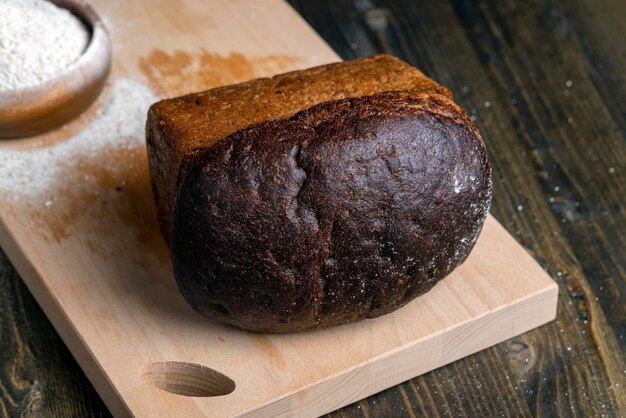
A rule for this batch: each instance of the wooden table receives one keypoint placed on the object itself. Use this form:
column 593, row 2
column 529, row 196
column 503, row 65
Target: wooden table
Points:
column 545, row 83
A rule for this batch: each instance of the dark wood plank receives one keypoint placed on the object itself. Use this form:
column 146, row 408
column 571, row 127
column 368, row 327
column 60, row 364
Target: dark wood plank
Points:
column 38, row 375
column 545, row 83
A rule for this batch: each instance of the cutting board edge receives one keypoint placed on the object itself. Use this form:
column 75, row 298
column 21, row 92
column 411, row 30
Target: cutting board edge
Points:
column 546, row 298
column 62, row 323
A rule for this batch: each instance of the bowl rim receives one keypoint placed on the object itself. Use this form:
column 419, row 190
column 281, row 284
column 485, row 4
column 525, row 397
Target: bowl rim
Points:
column 36, row 109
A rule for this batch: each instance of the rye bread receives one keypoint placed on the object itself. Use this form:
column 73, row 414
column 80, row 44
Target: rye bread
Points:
column 330, row 205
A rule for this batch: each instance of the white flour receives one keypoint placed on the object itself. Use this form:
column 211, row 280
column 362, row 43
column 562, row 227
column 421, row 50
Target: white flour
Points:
column 38, row 41
column 120, row 122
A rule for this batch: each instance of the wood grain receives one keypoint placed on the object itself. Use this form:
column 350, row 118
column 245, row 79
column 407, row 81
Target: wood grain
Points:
column 39, row 377
column 483, row 51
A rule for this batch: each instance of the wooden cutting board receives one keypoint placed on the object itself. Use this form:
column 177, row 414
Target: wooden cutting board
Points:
column 78, row 222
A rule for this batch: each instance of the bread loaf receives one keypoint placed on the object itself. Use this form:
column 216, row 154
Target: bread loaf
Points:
column 317, row 197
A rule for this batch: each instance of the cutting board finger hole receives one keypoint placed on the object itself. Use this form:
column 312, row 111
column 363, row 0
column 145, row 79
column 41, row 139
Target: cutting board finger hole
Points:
column 187, row 379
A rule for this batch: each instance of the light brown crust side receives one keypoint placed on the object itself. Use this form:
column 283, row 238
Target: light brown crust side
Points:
column 178, row 128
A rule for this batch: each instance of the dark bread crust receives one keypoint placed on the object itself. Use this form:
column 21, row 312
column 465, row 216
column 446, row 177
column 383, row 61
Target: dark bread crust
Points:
column 346, row 210
column 180, row 127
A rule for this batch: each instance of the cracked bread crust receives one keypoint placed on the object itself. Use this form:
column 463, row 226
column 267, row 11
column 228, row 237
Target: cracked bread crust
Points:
column 347, row 210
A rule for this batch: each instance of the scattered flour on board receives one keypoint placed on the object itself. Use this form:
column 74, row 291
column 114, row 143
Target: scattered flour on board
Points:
column 119, row 122
column 38, row 41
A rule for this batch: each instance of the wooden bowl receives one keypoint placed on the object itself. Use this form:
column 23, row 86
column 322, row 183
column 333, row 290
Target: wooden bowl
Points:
column 41, row 108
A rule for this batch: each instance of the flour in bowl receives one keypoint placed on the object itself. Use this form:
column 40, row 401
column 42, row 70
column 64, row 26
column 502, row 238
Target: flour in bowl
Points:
column 38, row 41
